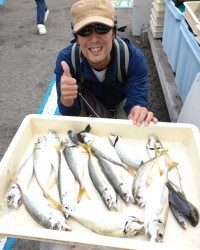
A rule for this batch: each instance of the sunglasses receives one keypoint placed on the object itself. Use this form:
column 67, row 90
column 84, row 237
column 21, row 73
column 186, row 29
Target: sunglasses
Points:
column 98, row 28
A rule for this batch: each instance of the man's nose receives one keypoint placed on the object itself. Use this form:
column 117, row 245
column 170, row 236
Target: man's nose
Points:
column 94, row 36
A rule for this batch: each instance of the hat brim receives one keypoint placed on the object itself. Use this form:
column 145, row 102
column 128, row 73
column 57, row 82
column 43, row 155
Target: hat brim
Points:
column 92, row 19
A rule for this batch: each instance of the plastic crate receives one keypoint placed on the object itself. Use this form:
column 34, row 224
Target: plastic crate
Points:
column 192, row 15
column 188, row 64
column 171, row 33
column 2, row 2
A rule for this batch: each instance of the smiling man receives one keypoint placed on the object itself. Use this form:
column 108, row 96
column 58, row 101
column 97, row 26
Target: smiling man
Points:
column 94, row 26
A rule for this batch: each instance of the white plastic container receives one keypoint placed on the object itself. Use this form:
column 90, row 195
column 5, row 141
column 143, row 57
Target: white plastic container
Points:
column 157, row 14
column 182, row 142
column 191, row 105
column 155, row 33
column 157, row 21
column 157, row 24
column 172, row 33
column 192, row 15
column 188, row 64
column 159, row 6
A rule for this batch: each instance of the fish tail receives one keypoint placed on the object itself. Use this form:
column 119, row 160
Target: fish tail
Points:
column 87, row 148
column 82, row 192
column 131, row 171
column 53, row 202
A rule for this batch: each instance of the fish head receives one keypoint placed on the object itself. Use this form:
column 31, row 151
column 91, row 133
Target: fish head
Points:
column 139, row 198
column 133, row 227
column 155, row 231
column 59, row 225
column 41, row 143
column 113, row 138
column 13, row 196
column 87, row 137
column 126, row 194
column 110, row 202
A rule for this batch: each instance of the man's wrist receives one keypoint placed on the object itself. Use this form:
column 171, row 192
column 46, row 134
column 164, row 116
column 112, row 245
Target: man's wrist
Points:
column 67, row 103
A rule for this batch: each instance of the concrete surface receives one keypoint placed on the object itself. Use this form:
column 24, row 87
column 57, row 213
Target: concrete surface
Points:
column 167, row 78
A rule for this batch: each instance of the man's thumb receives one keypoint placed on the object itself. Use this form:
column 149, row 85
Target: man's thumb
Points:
column 66, row 70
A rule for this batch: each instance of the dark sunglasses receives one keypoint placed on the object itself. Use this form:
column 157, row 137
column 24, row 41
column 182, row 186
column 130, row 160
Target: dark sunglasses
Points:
column 98, row 28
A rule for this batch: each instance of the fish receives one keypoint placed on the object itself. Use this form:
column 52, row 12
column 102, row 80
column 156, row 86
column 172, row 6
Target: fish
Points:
column 156, row 209
column 118, row 177
column 127, row 154
column 74, row 158
column 42, row 211
column 179, row 217
column 24, row 175
column 179, row 202
column 155, row 147
column 101, row 147
column 101, row 182
column 66, row 186
column 143, row 178
column 46, row 160
column 108, row 223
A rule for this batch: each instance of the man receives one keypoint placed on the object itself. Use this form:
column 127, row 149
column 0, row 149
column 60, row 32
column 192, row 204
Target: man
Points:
column 94, row 25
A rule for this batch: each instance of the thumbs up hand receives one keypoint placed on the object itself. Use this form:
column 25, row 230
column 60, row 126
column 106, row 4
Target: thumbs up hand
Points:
column 68, row 86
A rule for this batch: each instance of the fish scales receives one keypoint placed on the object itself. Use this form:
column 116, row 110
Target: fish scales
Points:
column 117, row 177
column 101, row 183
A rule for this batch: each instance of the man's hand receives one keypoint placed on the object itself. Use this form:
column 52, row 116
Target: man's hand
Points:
column 68, row 86
column 140, row 115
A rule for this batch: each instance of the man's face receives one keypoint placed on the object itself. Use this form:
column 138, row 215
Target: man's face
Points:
column 96, row 48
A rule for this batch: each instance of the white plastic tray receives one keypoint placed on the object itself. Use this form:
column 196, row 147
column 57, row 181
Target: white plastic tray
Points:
column 192, row 15
column 182, row 141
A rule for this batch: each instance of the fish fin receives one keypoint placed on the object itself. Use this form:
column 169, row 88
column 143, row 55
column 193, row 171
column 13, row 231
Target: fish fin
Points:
column 132, row 171
column 53, row 202
column 82, row 192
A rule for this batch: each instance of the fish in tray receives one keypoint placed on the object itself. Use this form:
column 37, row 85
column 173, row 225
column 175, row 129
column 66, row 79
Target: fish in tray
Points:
column 118, row 177
column 66, row 185
column 185, row 209
column 182, row 209
column 101, row 182
column 108, row 223
column 143, row 178
column 46, row 160
column 127, row 154
column 74, row 158
column 156, row 208
column 24, row 175
column 101, row 148
column 41, row 210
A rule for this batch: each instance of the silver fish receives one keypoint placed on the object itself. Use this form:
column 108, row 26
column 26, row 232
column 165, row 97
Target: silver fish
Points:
column 127, row 154
column 101, row 183
column 118, row 177
column 101, row 147
column 109, row 223
column 155, row 147
column 46, row 160
column 144, row 176
column 74, row 158
column 156, row 209
column 23, row 176
column 66, row 185
column 42, row 211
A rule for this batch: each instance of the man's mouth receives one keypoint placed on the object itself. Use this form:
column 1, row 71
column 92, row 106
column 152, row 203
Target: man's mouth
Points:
column 95, row 49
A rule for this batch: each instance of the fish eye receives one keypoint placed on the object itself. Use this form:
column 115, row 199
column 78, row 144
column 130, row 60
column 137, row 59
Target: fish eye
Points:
column 160, row 235
column 108, row 199
column 56, row 226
